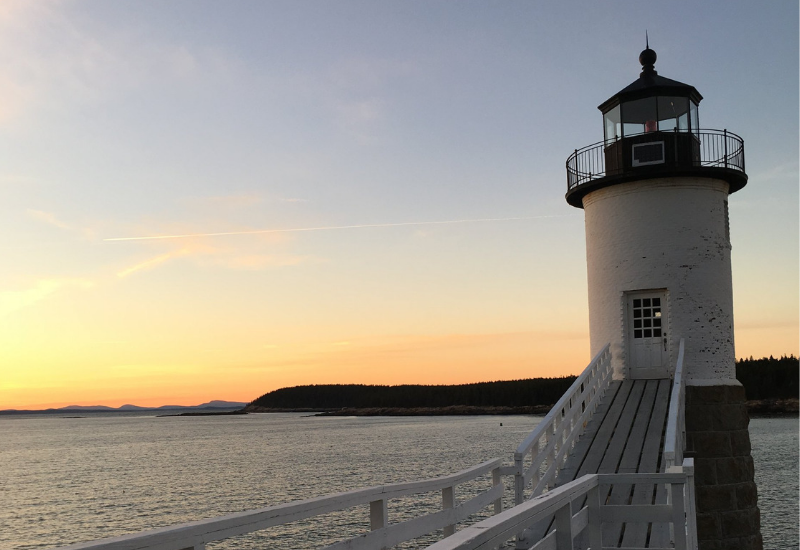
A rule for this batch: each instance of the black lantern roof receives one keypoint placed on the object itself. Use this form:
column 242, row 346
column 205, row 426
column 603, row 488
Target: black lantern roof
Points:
column 651, row 130
column 650, row 84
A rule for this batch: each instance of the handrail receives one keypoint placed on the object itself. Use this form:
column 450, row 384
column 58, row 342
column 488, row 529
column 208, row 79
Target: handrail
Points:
column 713, row 149
column 553, row 437
column 495, row 531
column 675, row 434
column 194, row 535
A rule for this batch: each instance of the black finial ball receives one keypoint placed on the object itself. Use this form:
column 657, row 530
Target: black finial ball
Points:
column 647, row 57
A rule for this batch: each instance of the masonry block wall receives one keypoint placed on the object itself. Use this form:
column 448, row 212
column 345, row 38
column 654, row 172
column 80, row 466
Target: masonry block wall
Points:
column 727, row 501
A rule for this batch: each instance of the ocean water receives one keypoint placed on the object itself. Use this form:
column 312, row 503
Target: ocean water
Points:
column 66, row 480
column 774, row 444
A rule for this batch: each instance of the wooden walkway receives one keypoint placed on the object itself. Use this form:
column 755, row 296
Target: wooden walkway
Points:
column 624, row 435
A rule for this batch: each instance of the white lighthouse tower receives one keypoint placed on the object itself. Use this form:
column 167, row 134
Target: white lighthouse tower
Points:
column 655, row 193
column 655, row 196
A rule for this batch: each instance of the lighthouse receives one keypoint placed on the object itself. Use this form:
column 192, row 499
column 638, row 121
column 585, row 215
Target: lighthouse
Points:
column 655, row 196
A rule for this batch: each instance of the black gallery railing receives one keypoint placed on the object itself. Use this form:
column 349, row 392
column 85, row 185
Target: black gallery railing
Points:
column 680, row 150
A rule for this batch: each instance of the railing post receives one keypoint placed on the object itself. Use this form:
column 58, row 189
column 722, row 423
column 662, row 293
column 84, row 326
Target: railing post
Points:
column 741, row 148
column 551, row 456
column 519, row 488
column 676, row 496
column 378, row 515
column 519, row 484
column 448, row 503
column 595, row 525
column 725, row 144
column 682, row 413
column 497, row 480
column 577, row 177
column 691, row 513
column 564, row 527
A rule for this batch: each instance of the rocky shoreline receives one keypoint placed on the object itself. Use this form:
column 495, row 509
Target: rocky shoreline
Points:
column 760, row 407
column 455, row 410
column 770, row 407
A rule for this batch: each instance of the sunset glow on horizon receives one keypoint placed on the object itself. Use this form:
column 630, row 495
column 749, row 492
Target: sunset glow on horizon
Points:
column 211, row 201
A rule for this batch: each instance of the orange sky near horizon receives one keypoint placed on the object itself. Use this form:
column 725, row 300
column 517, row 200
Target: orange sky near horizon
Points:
column 448, row 359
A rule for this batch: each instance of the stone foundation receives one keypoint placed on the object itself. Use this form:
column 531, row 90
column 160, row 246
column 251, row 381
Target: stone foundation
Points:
column 716, row 436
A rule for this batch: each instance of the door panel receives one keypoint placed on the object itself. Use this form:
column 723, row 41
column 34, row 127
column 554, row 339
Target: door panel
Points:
column 647, row 337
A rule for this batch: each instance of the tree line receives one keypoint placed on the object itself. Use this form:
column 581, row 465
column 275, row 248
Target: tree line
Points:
column 510, row 393
column 767, row 378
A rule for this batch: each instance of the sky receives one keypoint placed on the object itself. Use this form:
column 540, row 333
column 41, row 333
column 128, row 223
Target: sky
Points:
column 354, row 191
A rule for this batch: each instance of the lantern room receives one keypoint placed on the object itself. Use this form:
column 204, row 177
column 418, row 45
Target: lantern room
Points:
column 651, row 104
column 651, row 129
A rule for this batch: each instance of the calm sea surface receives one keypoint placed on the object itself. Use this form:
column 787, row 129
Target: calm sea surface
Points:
column 65, row 480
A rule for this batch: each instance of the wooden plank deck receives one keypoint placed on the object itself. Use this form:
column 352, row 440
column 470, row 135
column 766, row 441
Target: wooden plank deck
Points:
column 624, row 435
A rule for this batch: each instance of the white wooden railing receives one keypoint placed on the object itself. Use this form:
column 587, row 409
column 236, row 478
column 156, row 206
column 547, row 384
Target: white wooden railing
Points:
column 550, row 442
column 675, row 435
column 569, row 523
column 675, row 438
column 196, row 534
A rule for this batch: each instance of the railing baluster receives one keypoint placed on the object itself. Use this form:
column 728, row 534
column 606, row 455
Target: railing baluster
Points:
column 725, row 142
column 497, row 480
column 519, row 483
column 448, row 503
column 595, row 524
column 551, row 456
column 678, row 516
column 564, row 527
column 378, row 514
column 691, row 513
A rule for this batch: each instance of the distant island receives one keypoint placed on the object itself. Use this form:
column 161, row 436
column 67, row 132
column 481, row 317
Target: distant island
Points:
column 210, row 407
column 771, row 386
column 529, row 396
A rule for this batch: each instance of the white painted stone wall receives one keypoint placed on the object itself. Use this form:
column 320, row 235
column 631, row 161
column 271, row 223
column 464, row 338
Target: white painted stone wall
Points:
column 672, row 234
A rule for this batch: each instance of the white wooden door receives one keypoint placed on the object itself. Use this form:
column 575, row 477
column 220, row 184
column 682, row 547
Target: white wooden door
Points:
column 647, row 336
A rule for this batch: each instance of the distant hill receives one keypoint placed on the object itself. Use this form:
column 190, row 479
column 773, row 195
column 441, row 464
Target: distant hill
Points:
column 512, row 393
column 211, row 405
column 85, row 408
column 763, row 379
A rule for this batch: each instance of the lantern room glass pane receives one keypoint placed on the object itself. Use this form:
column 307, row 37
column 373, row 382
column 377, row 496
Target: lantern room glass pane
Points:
column 612, row 124
column 673, row 112
column 683, row 122
column 639, row 116
column 693, row 118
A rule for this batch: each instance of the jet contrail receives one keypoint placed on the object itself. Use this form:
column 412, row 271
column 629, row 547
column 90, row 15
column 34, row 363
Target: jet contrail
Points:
column 325, row 228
